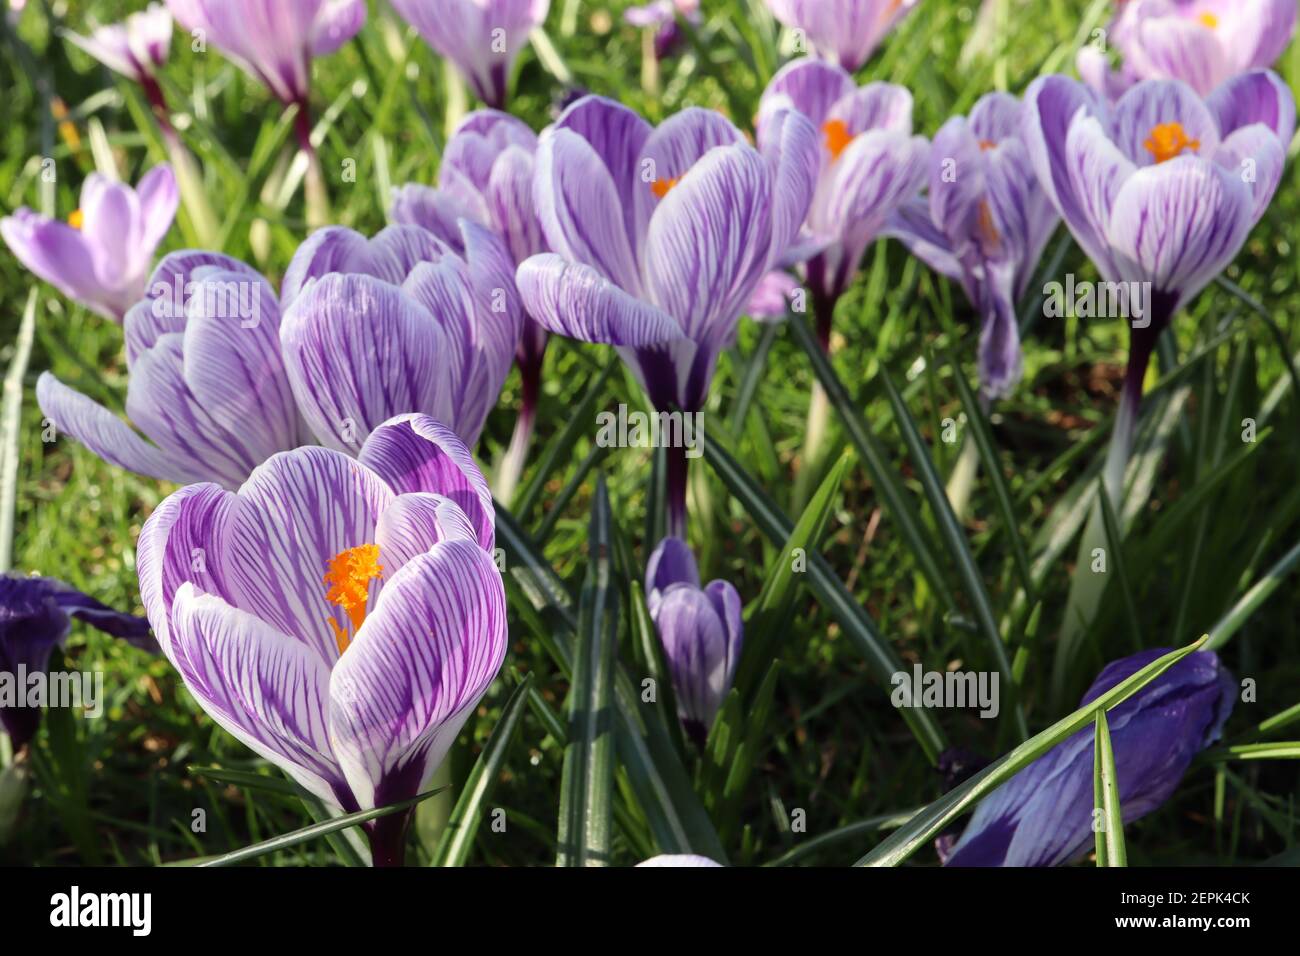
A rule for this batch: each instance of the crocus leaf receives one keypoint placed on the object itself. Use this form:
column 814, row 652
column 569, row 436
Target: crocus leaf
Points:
column 933, row 818
column 458, row 836
column 1108, row 816
column 586, row 786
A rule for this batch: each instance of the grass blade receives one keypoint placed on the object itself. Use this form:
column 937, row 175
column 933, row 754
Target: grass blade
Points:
column 1259, row 592
column 10, row 420
column 588, row 781
column 1108, row 817
column 458, row 836
column 929, row 821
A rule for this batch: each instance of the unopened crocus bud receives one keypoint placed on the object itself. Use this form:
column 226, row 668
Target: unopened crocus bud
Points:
column 701, row 632
column 1044, row 815
column 136, row 47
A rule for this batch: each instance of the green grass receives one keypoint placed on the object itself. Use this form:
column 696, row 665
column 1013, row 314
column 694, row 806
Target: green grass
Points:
column 1220, row 513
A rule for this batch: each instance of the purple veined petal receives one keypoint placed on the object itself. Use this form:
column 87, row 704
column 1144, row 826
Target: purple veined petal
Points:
column 883, row 106
column 1260, row 96
column 414, row 523
column 105, row 434
column 268, row 690
column 1097, row 170
column 491, row 271
column 697, row 648
column 1154, row 103
column 618, row 135
column 414, row 453
column 134, row 630
column 232, row 360
column 1256, row 156
column 162, row 405
column 1176, row 48
column 677, row 373
column 1000, row 362
column 511, row 208
column 111, row 46
column 726, row 602
column 809, row 85
column 996, row 116
column 578, row 207
column 770, row 301
column 433, row 209
column 296, row 513
column 337, row 22
column 182, row 541
column 1052, row 104
column 678, row 860
column 876, row 174
column 1095, row 70
column 111, row 219
column 159, row 199
column 396, row 250
column 359, row 351
column 958, row 181
column 795, row 159
column 479, row 139
column 167, row 294
column 1178, row 224
column 671, row 562
column 572, row 299
column 911, row 225
column 709, row 242
column 60, row 255
column 847, row 31
column 1255, row 33
column 330, row 249
column 419, row 664
column 669, row 153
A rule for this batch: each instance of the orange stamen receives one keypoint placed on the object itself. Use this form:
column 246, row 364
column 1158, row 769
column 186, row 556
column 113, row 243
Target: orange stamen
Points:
column 661, row 187
column 348, row 576
column 987, row 144
column 988, row 231
column 1208, row 20
column 1168, row 140
column 77, row 219
column 838, row 137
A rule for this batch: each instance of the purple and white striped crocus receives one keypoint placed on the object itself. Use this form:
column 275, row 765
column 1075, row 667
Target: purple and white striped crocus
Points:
column 399, row 323
column 482, row 37
column 846, row 31
column 341, row 617
column 135, row 48
column 701, row 631
column 486, row 177
column 869, row 164
column 1160, row 190
column 101, row 256
column 984, row 225
column 1201, row 42
column 35, row 617
column 1043, row 816
column 207, row 386
column 660, row 236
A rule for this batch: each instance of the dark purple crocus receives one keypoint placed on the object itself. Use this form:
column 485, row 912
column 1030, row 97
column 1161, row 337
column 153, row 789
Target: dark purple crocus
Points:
column 482, row 37
column 1160, row 190
column 101, row 256
column 1043, row 815
column 486, row 177
column 1204, row 43
column 869, row 164
column 701, row 631
column 346, row 616
column 35, row 617
column 846, row 31
column 983, row 225
column 660, row 236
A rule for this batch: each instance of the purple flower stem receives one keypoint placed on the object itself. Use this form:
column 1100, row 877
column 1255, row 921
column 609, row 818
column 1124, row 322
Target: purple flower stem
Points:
column 675, row 490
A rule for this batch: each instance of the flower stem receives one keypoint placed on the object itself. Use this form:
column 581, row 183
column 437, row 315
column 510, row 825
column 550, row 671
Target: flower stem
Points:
column 675, row 490
column 512, row 463
column 318, row 202
column 388, row 839
column 819, row 406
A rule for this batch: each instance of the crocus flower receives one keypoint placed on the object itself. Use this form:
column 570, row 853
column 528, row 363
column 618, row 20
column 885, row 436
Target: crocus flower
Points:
column 679, row 859
column 35, row 617
column 661, row 16
column 136, row 47
column 482, row 37
column 486, row 176
column 771, row 299
column 101, row 256
column 1043, row 815
column 1201, row 42
column 660, row 237
column 1160, row 190
column 207, row 386
column 701, row 631
column 984, row 225
column 274, row 41
column 869, row 164
column 400, row 323
column 846, row 31
column 340, row 617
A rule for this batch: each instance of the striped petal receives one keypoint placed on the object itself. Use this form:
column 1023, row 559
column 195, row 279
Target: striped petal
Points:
column 572, row 299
